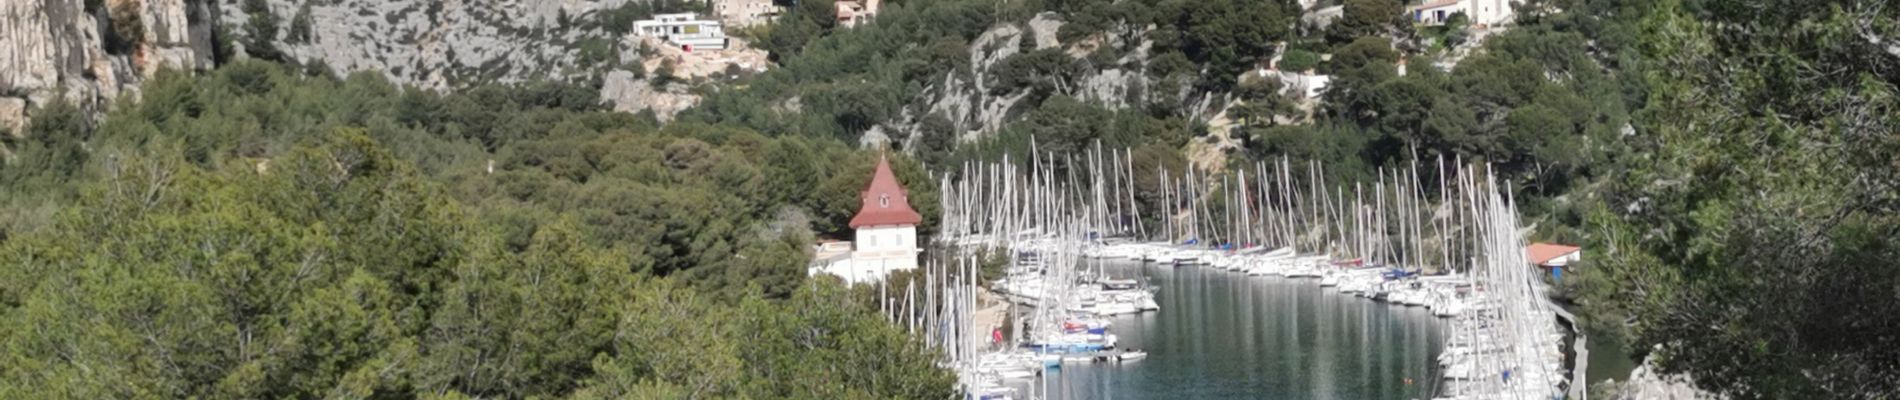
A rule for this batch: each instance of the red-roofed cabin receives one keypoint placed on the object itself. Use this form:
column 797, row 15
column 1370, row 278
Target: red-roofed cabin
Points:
column 1547, row 256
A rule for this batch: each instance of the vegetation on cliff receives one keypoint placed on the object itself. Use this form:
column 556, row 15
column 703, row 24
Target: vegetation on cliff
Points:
column 271, row 231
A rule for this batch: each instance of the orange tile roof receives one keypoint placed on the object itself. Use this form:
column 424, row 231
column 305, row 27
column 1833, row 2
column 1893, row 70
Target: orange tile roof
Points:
column 1540, row 253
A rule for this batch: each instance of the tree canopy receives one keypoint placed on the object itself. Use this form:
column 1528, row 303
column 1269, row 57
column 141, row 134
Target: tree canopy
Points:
column 252, row 233
column 1750, row 234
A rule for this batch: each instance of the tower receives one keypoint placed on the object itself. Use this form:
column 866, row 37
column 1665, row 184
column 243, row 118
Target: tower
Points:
column 886, row 231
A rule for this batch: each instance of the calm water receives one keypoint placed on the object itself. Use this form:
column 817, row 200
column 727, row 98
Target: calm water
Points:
column 1225, row 335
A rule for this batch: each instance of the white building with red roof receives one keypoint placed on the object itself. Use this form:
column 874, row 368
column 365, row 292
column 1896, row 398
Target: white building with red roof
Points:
column 886, row 238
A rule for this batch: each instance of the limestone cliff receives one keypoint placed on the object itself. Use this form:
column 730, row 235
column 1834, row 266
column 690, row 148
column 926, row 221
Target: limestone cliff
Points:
column 968, row 101
column 442, row 44
column 91, row 52
column 445, row 45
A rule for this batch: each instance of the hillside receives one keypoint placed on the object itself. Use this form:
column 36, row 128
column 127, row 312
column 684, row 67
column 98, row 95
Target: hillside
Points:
column 412, row 171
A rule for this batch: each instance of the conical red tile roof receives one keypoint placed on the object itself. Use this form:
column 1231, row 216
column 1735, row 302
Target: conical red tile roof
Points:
column 884, row 202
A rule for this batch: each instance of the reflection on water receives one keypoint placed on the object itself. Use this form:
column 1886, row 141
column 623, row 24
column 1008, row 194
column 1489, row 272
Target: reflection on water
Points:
column 1222, row 335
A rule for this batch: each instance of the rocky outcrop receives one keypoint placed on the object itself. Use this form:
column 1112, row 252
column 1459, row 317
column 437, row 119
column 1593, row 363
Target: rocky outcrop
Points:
column 627, row 92
column 60, row 50
column 173, row 39
column 740, row 58
column 965, row 99
column 1045, row 27
column 1648, row 383
column 632, row 94
column 13, row 116
column 44, row 45
column 442, row 44
column 976, row 110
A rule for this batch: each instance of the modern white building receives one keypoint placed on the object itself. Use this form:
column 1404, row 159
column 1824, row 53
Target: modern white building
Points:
column 886, row 238
column 1486, row 13
column 685, row 30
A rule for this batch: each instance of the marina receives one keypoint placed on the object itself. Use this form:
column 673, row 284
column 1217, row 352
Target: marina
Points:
column 1254, row 284
column 1227, row 335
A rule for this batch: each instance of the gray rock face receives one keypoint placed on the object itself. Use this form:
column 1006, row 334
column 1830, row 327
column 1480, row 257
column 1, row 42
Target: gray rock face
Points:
column 176, row 41
column 31, row 49
column 55, row 50
column 13, row 116
column 632, row 95
column 58, row 50
column 446, row 44
column 1647, row 383
column 50, row 44
column 1046, row 26
column 967, row 100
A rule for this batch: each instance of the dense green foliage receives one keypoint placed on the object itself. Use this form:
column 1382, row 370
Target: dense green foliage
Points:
column 846, row 83
column 259, row 232
column 254, row 233
column 260, row 30
column 1751, row 235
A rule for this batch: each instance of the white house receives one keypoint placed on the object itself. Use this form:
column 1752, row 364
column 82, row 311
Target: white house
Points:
column 1479, row 12
column 685, row 30
column 851, row 13
column 1310, row 86
column 886, row 238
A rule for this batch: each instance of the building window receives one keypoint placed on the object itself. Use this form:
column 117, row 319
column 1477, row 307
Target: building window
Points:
column 884, row 200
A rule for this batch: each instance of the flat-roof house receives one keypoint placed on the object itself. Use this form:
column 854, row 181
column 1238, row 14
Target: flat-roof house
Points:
column 1437, row 12
column 685, row 30
column 1479, row 12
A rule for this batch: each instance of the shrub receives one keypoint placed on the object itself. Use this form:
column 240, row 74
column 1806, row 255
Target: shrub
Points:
column 1298, row 60
column 128, row 28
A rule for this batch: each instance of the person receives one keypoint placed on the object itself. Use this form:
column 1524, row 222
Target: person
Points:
column 1507, row 376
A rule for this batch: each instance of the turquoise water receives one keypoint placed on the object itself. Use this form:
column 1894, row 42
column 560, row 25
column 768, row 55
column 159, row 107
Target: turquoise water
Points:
column 1225, row 335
